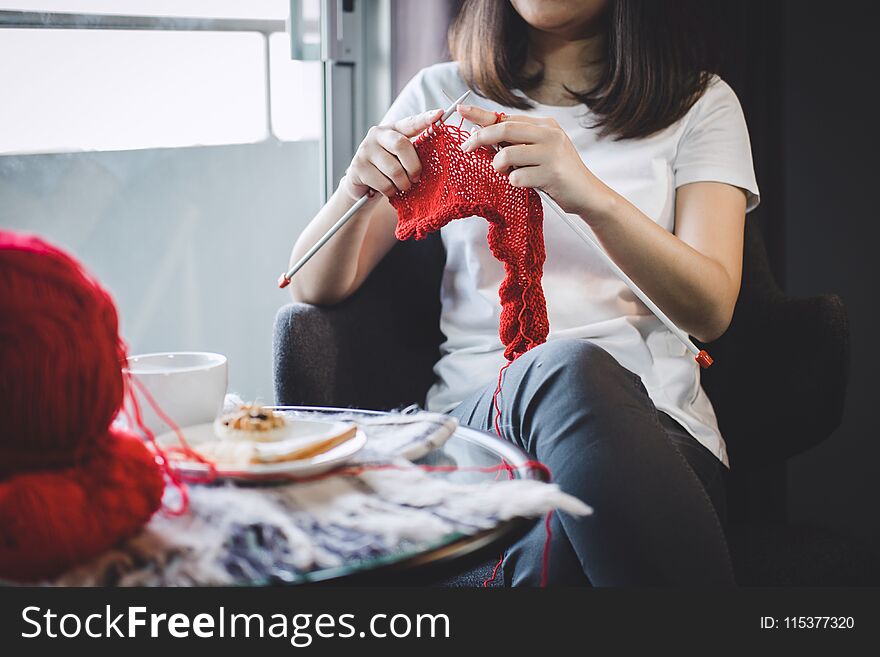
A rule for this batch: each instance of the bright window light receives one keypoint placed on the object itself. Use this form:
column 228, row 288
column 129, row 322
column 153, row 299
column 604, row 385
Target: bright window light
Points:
column 72, row 90
column 264, row 9
column 296, row 93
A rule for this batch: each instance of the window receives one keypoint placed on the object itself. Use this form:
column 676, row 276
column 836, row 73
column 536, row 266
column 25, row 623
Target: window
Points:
column 69, row 90
column 156, row 74
column 269, row 9
column 102, row 103
column 295, row 115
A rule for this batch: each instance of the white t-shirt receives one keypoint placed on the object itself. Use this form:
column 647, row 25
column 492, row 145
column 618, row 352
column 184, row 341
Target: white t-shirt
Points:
column 584, row 299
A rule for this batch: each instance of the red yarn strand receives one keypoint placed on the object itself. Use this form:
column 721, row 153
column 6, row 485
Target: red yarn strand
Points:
column 161, row 457
column 455, row 185
column 184, row 447
column 491, row 578
column 545, row 555
column 496, row 422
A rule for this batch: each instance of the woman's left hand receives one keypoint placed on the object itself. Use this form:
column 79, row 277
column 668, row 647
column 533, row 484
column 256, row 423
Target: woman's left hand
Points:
column 538, row 153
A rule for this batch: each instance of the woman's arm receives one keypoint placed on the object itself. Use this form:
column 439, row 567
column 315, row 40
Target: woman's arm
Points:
column 386, row 162
column 341, row 265
column 692, row 275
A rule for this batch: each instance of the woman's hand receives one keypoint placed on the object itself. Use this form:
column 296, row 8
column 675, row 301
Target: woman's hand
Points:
column 386, row 161
column 538, row 153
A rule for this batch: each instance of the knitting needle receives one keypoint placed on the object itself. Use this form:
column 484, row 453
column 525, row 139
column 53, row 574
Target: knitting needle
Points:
column 582, row 231
column 284, row 279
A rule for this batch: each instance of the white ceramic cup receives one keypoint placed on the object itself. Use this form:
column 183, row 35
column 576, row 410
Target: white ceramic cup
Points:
column 188, row 386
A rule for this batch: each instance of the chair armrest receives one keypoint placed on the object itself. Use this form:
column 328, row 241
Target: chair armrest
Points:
column 816, row 332
column 361, row 353
column 377, row 348
column 305, row 355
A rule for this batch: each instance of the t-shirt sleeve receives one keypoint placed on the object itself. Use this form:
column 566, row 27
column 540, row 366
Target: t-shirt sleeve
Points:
column 715, row 144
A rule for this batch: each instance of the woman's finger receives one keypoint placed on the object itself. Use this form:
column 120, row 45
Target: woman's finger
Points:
column 391, row 169
column 413, row 125
column 401, row 147
column 375, row 179
column 483, row 117
column 477, row 115
column 525, row 177
column 513, row 132
column 523, row 155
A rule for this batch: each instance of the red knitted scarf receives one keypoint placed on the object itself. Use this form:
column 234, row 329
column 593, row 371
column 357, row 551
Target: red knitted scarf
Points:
column 454, row 185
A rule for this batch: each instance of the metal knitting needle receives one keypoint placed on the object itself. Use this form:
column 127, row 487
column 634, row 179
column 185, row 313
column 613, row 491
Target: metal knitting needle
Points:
column 284, row 279
column 582, row 231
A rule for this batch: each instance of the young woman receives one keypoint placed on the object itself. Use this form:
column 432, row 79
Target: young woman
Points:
column 612, row 108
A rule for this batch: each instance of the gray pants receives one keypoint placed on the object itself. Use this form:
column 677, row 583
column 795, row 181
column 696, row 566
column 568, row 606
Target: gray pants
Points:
column 657, row 494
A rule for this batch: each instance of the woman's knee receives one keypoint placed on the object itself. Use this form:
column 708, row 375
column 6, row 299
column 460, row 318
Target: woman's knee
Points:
column 580, row 367
column 568, row 392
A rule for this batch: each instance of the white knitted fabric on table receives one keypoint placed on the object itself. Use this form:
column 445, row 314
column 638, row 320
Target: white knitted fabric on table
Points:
column 254, row 534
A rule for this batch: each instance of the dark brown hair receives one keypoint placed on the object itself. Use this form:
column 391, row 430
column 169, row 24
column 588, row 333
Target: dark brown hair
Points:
column 658, row 61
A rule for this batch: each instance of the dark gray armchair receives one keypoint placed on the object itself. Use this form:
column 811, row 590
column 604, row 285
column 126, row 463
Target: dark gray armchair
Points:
column 778, row 383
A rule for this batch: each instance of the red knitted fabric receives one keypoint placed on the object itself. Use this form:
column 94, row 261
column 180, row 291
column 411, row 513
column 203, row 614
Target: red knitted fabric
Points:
column 455, row 184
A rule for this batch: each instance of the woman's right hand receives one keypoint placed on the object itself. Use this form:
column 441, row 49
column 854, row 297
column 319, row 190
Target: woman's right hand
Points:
column 386, row 161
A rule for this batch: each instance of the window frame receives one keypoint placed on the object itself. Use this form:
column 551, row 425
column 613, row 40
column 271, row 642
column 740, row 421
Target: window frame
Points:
column 344, row 119
column 85, row 21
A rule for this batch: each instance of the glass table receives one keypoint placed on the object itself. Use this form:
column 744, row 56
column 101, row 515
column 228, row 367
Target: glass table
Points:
column 464, row 453
column 468, row 449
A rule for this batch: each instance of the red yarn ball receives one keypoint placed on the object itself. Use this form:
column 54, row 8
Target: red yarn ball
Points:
column 54, row 519
column 70, row 487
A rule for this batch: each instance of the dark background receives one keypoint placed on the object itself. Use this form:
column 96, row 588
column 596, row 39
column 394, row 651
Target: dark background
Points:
column 830, row 182
column 805, row 73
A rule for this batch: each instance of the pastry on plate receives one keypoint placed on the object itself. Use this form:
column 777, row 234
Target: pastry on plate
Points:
column 252, row 422
column 254, row 435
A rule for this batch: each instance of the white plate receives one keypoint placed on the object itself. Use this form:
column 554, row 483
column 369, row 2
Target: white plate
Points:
column 330, row 459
